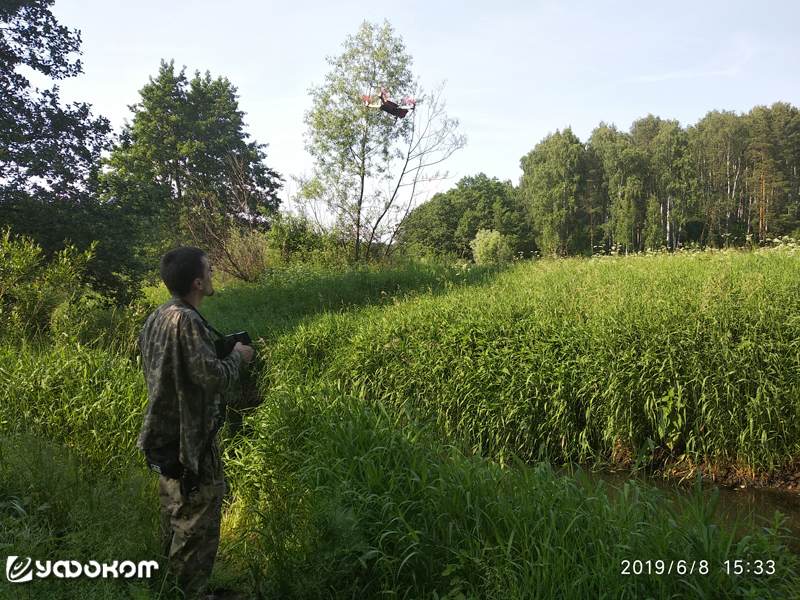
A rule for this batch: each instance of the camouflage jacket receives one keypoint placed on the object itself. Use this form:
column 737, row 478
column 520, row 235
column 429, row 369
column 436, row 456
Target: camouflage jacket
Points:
column 183, row 377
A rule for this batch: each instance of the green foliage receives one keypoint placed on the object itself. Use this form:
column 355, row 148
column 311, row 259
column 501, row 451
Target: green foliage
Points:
column 430, row 229
column 295, row 236
column 31, row 289
column 295, row 241
column 72, row 393
column 242, row 253
column 664, row 186
column 617, row 177
column 351, row 144
column 719, row 142
column 350, row 499
column 727, row 177
column 447, row 223
column 185, row 153
column 117, row 266
column 553, row 191
column 491, row 247
column 50, row 154
column 369, row 167
column 772, row 181
column 46, row 151
column 670, row 180
column 91, row 320
column 294, row 295
column 346, row 482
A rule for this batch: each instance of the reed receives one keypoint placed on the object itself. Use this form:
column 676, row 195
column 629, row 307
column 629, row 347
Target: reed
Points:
column 408, row 416
column 583, row 360
column 373, row 504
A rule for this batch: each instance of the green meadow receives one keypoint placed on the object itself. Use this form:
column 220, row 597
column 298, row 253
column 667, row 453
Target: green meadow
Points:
column 404, row 430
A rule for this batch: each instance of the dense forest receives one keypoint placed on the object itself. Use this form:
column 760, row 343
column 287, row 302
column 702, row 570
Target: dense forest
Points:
column 184, row 171
column 728, row 180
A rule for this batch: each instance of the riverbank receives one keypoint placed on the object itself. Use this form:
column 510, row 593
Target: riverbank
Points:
column 693, row 358
column 381, row 437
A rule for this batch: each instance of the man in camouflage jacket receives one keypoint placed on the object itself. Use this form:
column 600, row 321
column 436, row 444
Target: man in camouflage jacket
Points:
column 184, row 377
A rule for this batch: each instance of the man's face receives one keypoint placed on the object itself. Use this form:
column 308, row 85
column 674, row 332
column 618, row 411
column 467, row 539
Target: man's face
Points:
column 208, row 285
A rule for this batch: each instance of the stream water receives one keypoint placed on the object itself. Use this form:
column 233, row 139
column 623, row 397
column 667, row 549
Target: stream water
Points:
column 755, row 506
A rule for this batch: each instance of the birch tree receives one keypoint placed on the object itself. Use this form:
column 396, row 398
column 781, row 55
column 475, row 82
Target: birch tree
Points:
column 369, row 167
column 719, row 143
column 621, row 168
column 552, row 189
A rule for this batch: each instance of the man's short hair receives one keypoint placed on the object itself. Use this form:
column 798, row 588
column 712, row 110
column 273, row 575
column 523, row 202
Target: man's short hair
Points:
column 180, row 267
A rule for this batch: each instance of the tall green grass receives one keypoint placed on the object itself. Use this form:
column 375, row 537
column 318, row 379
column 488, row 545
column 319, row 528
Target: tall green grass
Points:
column 75, row 395
column 55, row 505
column 388, row 494
column 367, row 504
column 294, row 295
column 82, row 397
column 583, row 360
column 88, row 393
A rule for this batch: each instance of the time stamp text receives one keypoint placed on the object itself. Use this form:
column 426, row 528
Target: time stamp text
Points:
column 698, row 567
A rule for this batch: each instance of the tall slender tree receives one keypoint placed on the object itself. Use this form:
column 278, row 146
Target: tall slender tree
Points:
column 674, row 184
column 772, row 170
column 621, row 171
column 719, row 144
column 553, row 190
column 369, row 167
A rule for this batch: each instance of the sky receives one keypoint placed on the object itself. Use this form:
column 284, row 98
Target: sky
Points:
column 513, row 74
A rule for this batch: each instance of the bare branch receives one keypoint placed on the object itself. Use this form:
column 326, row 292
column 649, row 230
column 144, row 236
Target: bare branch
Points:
column 371, row 169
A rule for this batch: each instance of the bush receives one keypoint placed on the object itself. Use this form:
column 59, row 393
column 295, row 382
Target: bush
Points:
column 243, row 254
column 492, row 247
column 31, row 288
column 91, row 319
column 294, row 235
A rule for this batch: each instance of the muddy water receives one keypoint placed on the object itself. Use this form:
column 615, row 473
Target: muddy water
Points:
column 762, row 504
column 754, row 507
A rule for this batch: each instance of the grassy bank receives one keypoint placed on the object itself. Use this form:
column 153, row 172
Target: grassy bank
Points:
column 396, row 406
column 341, row 499
column 583, row 360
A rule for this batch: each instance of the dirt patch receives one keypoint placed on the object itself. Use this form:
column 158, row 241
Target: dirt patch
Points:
column 734, row 474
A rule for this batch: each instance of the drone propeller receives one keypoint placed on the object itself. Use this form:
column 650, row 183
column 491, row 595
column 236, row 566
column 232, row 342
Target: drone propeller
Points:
column 382, row 101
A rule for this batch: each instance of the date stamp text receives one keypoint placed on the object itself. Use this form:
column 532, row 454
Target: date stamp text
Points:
column 697, row 567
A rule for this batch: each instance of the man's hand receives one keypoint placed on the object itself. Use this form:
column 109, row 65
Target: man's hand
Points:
column 247, row 352
column 190, row 483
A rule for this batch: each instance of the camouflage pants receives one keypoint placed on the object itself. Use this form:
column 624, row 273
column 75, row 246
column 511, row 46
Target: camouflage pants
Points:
column 190, row 526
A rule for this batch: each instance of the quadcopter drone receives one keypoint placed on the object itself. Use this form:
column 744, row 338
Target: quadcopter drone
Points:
column 398, row 111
